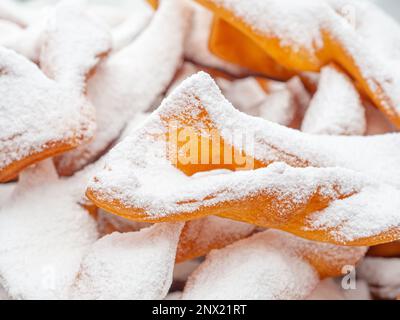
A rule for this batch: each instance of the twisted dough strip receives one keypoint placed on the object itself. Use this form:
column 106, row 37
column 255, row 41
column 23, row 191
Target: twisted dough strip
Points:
column 50, row 249
column 128, row 82
column 281, row 267
column 46, row 113
column 44, row 234
column 306, row 35
column 132, row 265
column 145, row 179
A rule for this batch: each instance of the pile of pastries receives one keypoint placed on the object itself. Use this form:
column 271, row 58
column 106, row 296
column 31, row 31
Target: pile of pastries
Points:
column 199, row 149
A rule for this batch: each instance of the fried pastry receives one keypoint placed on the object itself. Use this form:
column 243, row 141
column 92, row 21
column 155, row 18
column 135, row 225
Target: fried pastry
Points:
column 45, row 112
column 128, row 82
column 44, row 234
column 306, row 35
column 281, row 267
column 153, row 181
column 132, row 265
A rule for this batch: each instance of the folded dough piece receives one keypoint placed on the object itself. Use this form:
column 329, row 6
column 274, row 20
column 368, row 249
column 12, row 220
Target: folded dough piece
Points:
column 8, row 30
column 306, row 35
column 196, row 45
column 268, row 265
column 150, row 175
column 133, row 265
column 28, row 40
column 46, row 113
column 44, row 234
column 336, row 107
column 128, row 82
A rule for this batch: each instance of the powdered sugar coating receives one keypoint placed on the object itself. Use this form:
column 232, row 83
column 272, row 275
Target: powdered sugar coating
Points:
column 68, row 56
column 124, row 33
column 296, row 29
column 14, row 12
column 336, row 107
column 142, row 177
column 44, row 235
column 133, row 265
column 383, row 276
column 36, row 111
column 128, row 82
column 252, row 269
column 268, row 265
column 307, row 28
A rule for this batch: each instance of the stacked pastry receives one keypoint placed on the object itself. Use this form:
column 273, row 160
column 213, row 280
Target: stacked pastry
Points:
column 199, row 150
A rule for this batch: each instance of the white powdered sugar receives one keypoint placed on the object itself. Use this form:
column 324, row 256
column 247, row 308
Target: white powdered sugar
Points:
column 128, row 82
column 279, row 107
column 28, row 41
column 245, row 94
column 336, row 107
column 129, row 265
column 44, row 234
column 68, row 56
column 383, row 276
column 198, row 199
column 268, row 265
column 125, row 32
column 49, row 247
column 295, row 29
column 14, row 12
column 252, row 269
column 37, row 112
column 300, row 26
column 8, row 31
